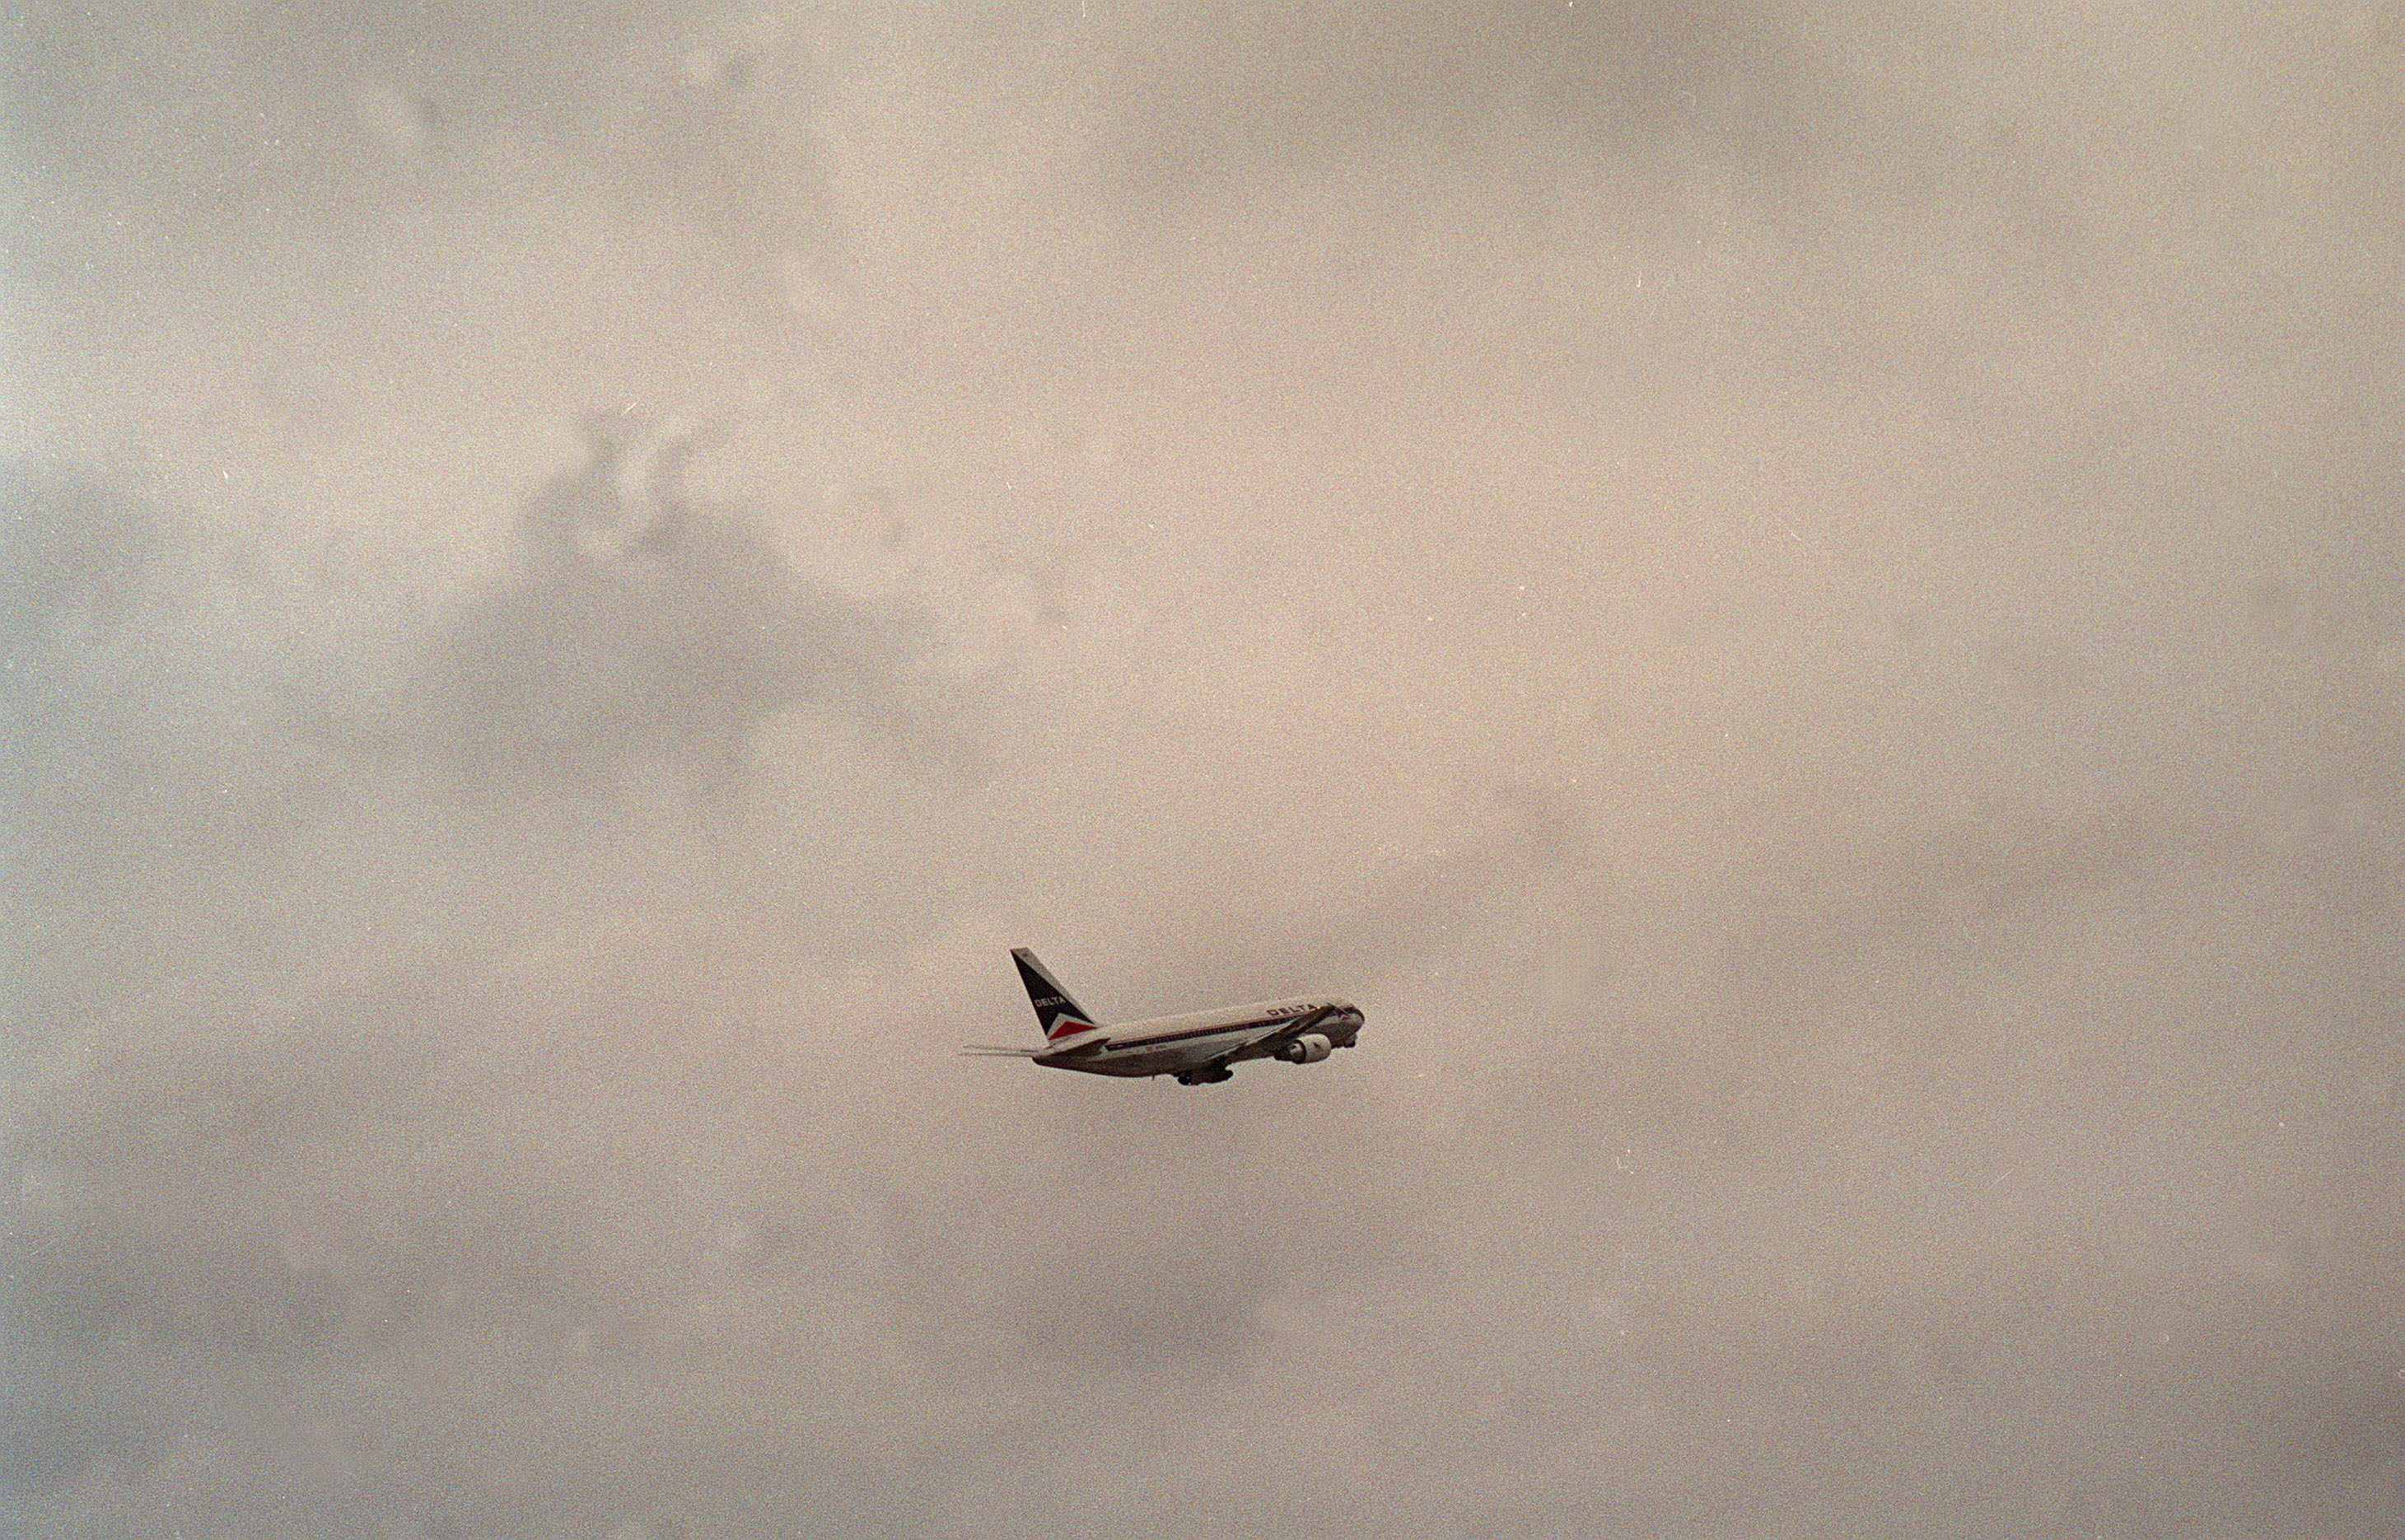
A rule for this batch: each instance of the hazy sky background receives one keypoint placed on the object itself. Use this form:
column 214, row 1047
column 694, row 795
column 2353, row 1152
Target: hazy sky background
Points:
column 1803, row 603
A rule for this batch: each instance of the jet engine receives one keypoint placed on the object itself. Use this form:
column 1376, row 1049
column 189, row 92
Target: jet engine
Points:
column 1310, row 1048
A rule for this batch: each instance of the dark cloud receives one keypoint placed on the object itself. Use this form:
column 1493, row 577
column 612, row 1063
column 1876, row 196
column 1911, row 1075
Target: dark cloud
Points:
column 74, row 555
column 640, row 625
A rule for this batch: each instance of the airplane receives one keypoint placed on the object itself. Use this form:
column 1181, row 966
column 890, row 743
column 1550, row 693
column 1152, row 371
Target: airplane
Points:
column 1199, row 1048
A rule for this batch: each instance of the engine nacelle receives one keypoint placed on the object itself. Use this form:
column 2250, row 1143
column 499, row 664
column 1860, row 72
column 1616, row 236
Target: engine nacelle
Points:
column 1310, row 1048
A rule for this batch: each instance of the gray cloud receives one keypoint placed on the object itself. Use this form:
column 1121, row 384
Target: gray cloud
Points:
column 1803, row 603
column 641, row 626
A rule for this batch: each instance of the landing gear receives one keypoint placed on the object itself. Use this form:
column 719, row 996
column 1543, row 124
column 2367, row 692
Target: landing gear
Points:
column 1206, row 1077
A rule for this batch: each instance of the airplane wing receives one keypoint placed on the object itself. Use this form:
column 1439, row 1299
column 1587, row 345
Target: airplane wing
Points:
column 985, row 1050
column 1269, row 1040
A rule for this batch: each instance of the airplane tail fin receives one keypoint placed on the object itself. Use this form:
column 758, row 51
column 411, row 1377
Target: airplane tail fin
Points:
column 1059, row 1015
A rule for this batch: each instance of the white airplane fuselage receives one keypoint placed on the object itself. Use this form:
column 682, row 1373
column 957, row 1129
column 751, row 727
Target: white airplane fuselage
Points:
column 1169, row 1045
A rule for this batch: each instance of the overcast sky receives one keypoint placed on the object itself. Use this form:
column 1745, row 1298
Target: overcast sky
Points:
column 1802, row 603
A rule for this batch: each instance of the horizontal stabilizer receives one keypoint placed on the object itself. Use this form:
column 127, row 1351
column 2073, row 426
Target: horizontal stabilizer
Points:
column 987, row 1050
